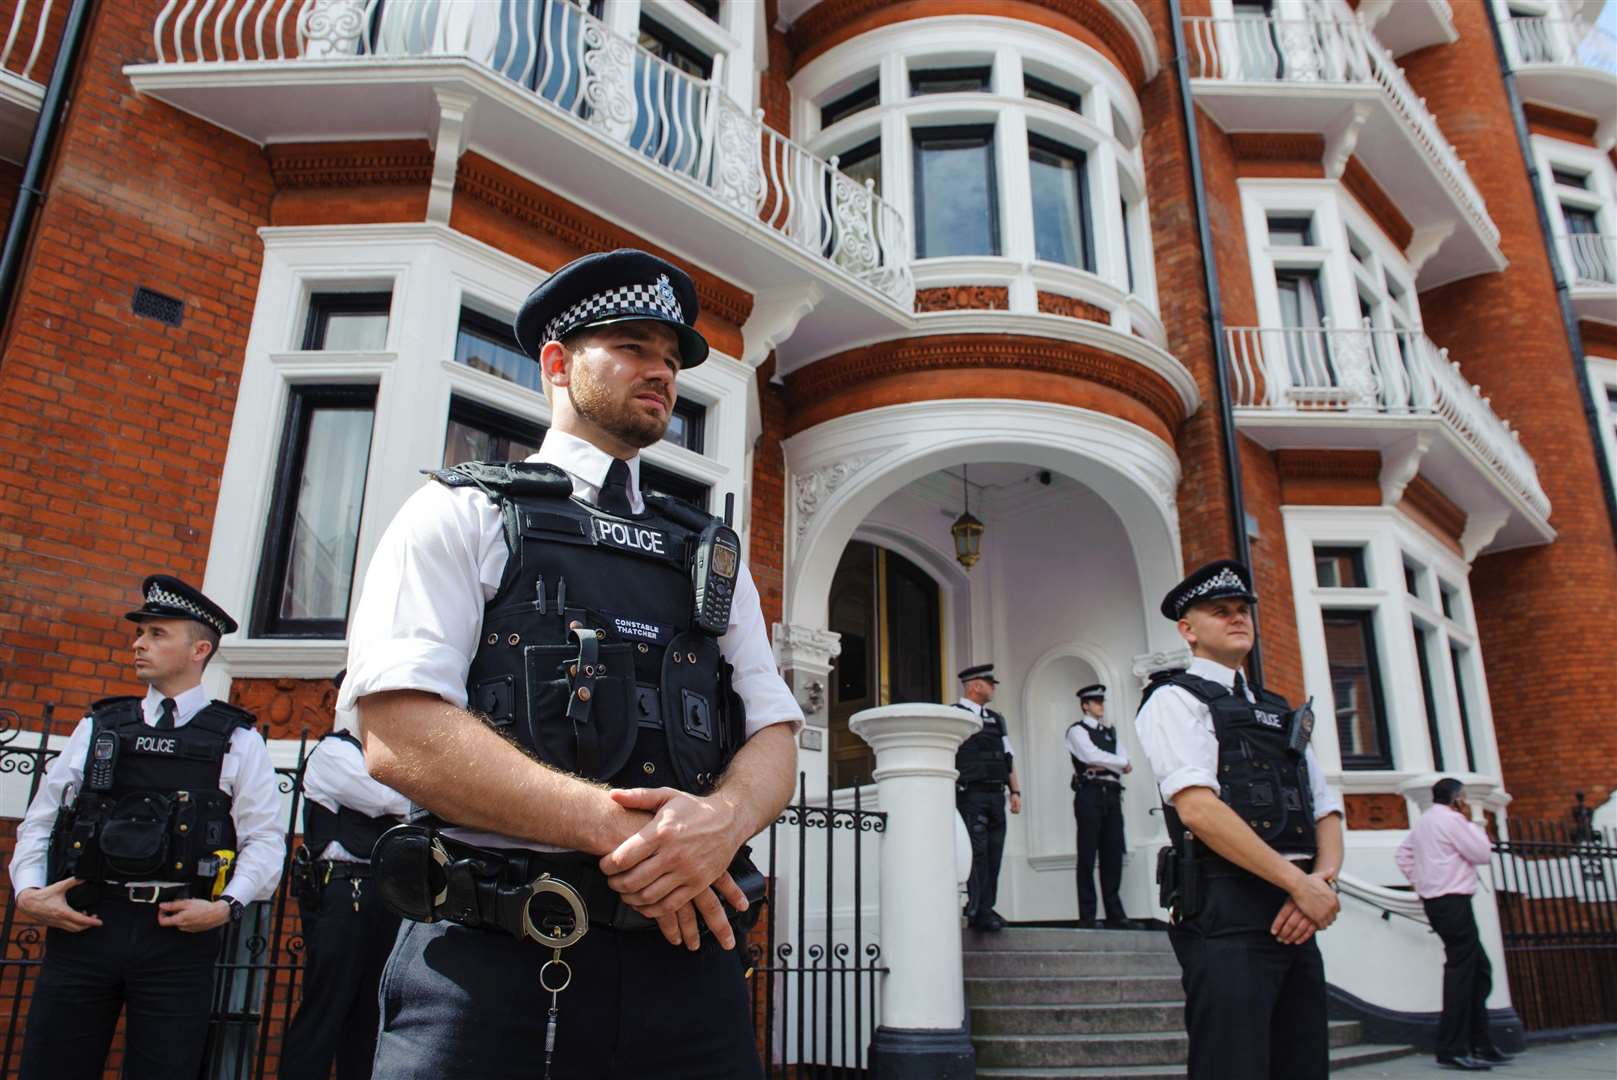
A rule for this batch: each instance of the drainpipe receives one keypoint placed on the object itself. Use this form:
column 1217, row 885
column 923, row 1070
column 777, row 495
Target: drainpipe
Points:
column 1215, row 310
column 51, row 111
column 1563, row 291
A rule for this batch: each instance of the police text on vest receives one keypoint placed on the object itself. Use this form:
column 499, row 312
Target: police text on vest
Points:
column 630, row 537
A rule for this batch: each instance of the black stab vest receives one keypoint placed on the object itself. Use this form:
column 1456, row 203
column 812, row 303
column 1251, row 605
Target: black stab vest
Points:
column 165, row 814
column 982, row 759
column 348, row 827
column 1260, row 777
column 1104, row 738
column 657, row 710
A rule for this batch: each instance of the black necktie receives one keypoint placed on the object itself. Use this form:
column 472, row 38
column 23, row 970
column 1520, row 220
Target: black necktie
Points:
column 1239, row 688
column 615, row 492
column 165, row 715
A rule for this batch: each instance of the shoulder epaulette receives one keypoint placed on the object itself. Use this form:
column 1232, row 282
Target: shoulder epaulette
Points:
column 119, row 708
column 224, row 718
column 679, row 511
column 511, row 478
column 1159, row 679
column 114, row 702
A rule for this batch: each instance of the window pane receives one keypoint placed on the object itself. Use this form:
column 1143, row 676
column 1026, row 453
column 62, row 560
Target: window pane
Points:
column 1036, row 89
column 478, row 433
column 1411, row 579
column 1350, row 648
column 1291, row 231
column 350, row 322
column 1423, row 647
column 913, row 632
column 358, row 333
column 1571, row 178
column 1451, row 600
column 325, row 527
column 949, row 81
column 863, row 163
column 685, row 426
column 955, row 203
column 1060, row 225
column 486, row 344
column 1460, row 658
column 1339, row 567
column 1580, row 222
column 857, row 101
column 1128, row 244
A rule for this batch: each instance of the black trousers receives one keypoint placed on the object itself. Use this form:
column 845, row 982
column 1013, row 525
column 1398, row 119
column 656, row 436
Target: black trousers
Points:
column 984, row 814
column 1467, row 976
column 1098, row 807
column 1254, row 1008
column 344, row 952
column 162, row 976
column 467, row 1003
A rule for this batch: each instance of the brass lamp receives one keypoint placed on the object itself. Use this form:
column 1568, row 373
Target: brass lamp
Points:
column 966, row 530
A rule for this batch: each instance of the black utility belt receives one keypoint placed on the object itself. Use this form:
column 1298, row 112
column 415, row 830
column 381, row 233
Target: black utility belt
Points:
column 547, row 897
column 328, row 869
column 1101, row 776
column 988, row 787
column 1212, row 864
column 150, row 893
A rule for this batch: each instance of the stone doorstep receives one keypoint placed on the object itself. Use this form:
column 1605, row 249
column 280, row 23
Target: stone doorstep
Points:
column 1135, row 1048
column 1342, row 1057
column 1043, row 939
column 1068, row 962
column 1080, row 990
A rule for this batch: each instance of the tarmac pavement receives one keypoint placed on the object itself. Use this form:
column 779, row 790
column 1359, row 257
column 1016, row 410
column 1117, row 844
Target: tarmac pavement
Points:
column 1586, row 1059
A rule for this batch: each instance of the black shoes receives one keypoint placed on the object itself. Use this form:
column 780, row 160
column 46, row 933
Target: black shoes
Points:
column 991, row 923
column 1464, row 1064
column 1492, row 1056
column 1124, row 924
column 1088, row 924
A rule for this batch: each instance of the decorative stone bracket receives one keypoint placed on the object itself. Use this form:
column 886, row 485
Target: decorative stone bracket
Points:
column 804, row 655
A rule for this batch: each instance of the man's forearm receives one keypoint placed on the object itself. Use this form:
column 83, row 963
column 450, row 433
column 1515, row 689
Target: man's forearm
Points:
column 1328, row 834
column 1222, row 830
column 758, row 784
column 448, row 761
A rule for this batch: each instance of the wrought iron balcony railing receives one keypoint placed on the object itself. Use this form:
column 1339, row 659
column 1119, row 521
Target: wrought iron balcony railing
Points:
column 25, row 40
column 1324, row 49
column 1380, row 373
column 574, row 66
column 1552, row 39
column 1593, row 258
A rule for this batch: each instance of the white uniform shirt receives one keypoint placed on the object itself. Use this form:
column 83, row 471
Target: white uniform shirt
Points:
column 1082, row 747
column 420, row 614
column 967, row 703
column 1176, row 732
column 334, row 775
column 246, row 775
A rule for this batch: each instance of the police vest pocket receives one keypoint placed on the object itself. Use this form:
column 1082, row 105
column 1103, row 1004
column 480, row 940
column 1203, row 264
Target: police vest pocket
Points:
column 134, row 838
column 599, row 741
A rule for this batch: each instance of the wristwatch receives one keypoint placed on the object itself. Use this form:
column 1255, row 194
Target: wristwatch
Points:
column 236, row 909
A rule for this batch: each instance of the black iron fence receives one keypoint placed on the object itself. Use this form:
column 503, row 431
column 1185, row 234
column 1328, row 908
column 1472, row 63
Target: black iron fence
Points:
column 1556, row 887
column 815, row 980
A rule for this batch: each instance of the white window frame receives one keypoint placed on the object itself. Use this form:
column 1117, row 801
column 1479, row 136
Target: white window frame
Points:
column 1107, row 131
column 431, row 271
column 1602, row 372
column 1600, row 197
column 1389, row 538
column 732, row 41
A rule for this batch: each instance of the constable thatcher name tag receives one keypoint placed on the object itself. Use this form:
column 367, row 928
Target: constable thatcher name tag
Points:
column 639, row 628
column 156, row 744
column 630, row 537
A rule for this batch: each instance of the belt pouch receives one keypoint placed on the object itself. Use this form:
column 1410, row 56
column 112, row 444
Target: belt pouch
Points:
column 408, row 877
column 134, row 839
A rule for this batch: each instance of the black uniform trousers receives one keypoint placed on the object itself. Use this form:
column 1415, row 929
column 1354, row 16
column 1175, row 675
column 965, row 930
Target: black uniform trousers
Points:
column 1254, row 1008
column 983, row 811
column 458, row 1002
column 1098, row 806
column 1467, row 977
column 344, row 952
column 162, row 976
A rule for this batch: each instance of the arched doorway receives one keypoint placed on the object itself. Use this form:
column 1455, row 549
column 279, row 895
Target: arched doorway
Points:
column 888, row 612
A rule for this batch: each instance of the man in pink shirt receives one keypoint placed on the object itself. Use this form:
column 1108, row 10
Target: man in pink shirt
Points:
column 1440, row 857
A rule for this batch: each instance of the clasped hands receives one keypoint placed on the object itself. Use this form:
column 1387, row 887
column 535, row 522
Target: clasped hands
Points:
column 676, row 867
column 1312, row 906
column 49, row 905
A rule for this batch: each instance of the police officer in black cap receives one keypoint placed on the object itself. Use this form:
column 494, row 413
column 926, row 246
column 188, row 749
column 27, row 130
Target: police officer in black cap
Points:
column 1257, row 844
column 152, row 830
column 573, row 677
column 347, row 930
column 1098, row 767
column 987, row 770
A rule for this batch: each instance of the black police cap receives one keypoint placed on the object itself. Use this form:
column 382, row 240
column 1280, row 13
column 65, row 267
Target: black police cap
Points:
column 609, row 287
column 1094, row 692
column 168, row 597
column 1216, row 581
column 981, row 671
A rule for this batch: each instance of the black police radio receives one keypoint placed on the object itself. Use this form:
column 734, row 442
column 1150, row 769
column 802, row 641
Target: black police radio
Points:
column 103, row 760
column 714, row 569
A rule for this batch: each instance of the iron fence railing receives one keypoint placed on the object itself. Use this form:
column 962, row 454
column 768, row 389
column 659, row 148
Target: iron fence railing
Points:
column 1594, row 258
column 1553, row 39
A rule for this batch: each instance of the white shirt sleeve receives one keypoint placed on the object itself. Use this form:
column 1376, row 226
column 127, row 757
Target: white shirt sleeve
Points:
column 28, row 858
column 335, row 776
column 756, row 679
column 1176, row 733
column 1082, row 747
column 255, row 808
column 1326, row 801
column 421, row 608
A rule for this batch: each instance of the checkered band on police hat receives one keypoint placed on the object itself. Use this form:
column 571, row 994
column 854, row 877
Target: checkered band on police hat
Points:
column 1225, row 580
column 1215, row 580
column 158, row 595
column 656, row 300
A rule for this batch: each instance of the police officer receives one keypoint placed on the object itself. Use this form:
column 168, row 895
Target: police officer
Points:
column 1098, row 767
column 1259, row 837
column 576, row 676
column 153, row 828
column 347, row 930
column 987, row 769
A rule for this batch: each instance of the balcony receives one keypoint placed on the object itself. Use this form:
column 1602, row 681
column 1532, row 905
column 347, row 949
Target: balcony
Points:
column 1326, row 74
column 553, row 93
column 1396, row 392
column 26, row 54
column 1406, row 25
column 1566, row 64
column 1589, row 262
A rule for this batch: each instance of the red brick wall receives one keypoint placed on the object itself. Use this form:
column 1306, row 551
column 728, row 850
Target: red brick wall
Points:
column 118, row 423
column 767, row 548
column 1543, row 612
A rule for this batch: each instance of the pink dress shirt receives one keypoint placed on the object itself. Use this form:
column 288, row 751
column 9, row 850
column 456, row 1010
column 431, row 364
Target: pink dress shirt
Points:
column 1441, row 852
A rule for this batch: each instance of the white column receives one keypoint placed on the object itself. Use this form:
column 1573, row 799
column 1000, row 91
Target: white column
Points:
column 1015, row 207
column 804, row 655
column 922, row 996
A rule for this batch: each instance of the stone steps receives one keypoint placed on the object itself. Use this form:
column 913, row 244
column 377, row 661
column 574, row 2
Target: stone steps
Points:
column 1111, row 1048
column 1082, row 990
column 1074, row 962
column 1342, row 1057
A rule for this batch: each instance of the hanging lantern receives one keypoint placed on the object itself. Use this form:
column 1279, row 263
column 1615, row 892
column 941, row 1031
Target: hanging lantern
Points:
column 966, row 530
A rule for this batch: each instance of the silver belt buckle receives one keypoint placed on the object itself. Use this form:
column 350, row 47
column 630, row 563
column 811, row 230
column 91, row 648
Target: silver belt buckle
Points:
column 156, row 891
column 544, row 883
